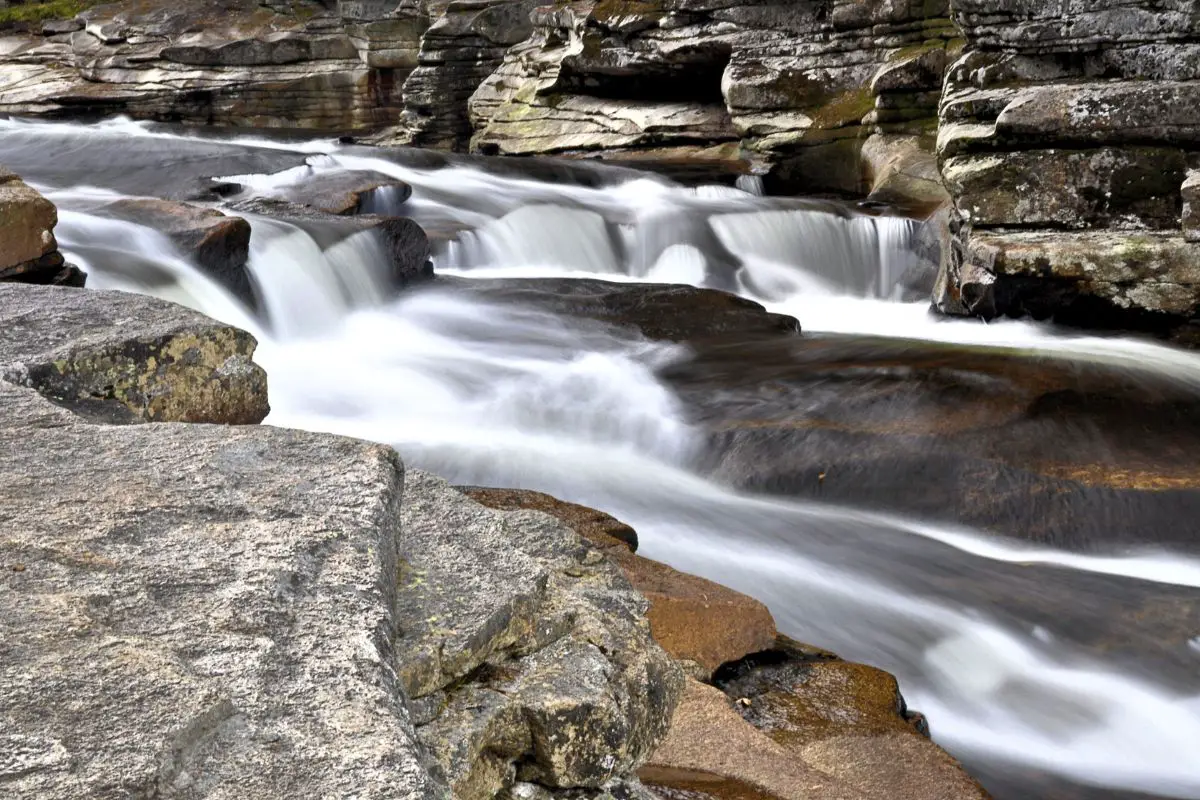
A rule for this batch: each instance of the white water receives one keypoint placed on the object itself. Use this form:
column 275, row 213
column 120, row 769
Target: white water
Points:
column 517, row 397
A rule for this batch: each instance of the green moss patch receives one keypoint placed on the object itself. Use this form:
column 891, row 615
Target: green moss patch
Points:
column 40, row 12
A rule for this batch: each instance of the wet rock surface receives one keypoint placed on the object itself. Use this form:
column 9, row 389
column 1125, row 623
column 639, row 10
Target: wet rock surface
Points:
column 1010, row 443
column 217, row 243
column 401, row 241
column 667, row 312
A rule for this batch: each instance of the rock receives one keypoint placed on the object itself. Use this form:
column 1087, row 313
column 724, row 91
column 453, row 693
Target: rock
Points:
column 1069, row 188
column 667, row 312
column 711, row 749
column 790, row 725
column 231, row 62
column 215, row 242
column 220, row 619
column 1190, row 193
column 777, row 79
column 276, row 616
column 538, row 645
column 28, row 251
column 401, row 239
column 990, row 440
column 904, row 174
column 848, row 721
column 602, row 531
column 350, row 192
column 1141, row 276
column 693, row 619
column 128, row 358
column 1077, row 118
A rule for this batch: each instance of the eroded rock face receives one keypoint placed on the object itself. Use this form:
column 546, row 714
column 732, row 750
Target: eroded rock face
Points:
column 1073, row 130
column 28, row 250
column 228, row 62
column 791, row 87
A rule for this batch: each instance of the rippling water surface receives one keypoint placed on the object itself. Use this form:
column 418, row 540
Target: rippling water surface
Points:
column 999, row 642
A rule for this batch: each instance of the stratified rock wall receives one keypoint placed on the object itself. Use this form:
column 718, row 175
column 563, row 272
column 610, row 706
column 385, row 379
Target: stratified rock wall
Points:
column 797, row 86
column 1070, row 138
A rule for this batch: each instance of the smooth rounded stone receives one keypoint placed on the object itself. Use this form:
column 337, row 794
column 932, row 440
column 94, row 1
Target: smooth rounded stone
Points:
column 349, row 192
column 695, row 619
column 1093, row 458
column 27, row 223
column 667, row 312
column 904, row 174
column 217, row 243
column 129, row 358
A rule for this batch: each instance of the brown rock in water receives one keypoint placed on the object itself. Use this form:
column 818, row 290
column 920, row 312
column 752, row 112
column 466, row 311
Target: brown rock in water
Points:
column 348, row 192
column 28, row 250
column 217, row 243
column 795, row 724
column 693, row 619
column 665, row 312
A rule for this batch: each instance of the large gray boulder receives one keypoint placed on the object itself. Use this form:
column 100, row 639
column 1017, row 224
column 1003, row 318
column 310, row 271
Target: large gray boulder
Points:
column 216, row 611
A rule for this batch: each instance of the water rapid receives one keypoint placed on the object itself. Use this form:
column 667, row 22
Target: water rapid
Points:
column 497, row 394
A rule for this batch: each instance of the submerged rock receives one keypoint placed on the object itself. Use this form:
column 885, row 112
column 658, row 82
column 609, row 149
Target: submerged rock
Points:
column 668, row 312
column 217, row 243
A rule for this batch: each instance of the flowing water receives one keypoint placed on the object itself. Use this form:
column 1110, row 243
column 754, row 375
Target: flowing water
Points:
column 513, row 396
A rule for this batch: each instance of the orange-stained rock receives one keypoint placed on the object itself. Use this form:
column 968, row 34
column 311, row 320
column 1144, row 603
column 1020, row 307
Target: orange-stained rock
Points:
column 693, row 619
column 603, row 530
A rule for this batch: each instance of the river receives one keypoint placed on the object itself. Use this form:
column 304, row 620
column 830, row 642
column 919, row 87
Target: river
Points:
column 997, row 640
